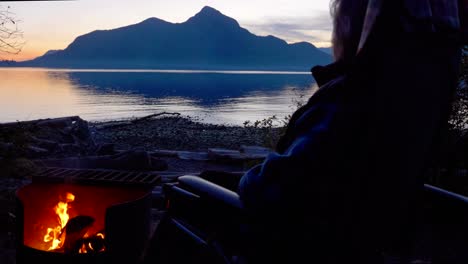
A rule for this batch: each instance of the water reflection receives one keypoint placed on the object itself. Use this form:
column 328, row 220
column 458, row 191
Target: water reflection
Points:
column 216, row 97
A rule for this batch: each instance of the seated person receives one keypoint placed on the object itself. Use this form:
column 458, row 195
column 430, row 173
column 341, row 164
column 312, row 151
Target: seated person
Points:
column 343, row 184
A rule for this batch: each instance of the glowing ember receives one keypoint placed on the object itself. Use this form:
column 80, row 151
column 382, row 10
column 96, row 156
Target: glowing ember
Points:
column 102, row 247
column 95, row 244
column 55, row 234
column 83, row 249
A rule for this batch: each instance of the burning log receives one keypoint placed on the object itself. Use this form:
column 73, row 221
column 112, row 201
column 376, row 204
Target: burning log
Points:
column 93, row 244
column 75, row 230
column 70, row 236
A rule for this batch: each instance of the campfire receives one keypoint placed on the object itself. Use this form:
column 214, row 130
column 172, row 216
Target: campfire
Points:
column 72, row 235
column 72, row 219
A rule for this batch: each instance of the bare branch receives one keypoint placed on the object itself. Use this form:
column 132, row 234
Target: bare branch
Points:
column 10, row 34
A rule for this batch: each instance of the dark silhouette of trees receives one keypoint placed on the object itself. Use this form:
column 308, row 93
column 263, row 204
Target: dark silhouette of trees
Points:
column 459, row 118
column 11, row 37
column 455, row 155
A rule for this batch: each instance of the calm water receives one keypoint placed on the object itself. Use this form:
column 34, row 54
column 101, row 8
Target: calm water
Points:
column 213, row 97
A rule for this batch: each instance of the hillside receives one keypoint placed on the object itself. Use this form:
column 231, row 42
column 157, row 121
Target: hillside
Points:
column 208, row 40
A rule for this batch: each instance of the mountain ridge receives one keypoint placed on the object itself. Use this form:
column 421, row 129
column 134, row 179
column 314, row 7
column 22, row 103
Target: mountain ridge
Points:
column 207, row 40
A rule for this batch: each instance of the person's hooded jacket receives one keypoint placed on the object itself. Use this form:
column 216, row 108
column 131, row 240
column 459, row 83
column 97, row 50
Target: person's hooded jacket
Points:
column 348, row 170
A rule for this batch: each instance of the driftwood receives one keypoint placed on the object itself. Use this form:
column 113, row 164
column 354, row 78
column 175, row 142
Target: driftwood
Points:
column 6, row 147
column 113, row 125
column 132, row 122
column 225, row 154
column 151, row 116
column 46, row 137
column 255, row 152
column 34, row 152
column 50, row 145
column 60, row 121
column 138, row 160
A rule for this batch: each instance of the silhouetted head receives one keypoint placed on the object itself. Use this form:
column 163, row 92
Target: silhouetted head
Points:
column 348, row 20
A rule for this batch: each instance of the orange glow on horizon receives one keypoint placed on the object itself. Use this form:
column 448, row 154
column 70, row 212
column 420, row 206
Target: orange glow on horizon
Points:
column 35, row 48
column 24, row 55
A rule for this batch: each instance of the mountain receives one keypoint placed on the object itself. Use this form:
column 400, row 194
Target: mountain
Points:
column 327, row 50
column 8, row 63
column 49, row 52
column 208, row 40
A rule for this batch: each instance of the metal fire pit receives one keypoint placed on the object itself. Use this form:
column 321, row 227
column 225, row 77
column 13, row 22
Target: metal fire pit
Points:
column 97, row 177
column 126, row 220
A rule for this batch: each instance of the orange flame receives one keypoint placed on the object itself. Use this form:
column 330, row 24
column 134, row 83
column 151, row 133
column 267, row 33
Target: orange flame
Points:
column 101, row 235
column 85, row 247
column 54, row 234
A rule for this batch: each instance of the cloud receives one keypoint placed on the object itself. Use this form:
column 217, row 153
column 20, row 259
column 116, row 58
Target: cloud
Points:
column 316, row 29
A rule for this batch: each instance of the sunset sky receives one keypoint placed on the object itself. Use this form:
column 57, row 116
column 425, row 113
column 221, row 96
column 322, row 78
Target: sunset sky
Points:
column 54, row 25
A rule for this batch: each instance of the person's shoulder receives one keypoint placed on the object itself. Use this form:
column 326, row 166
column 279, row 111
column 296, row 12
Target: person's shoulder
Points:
column 325, row 73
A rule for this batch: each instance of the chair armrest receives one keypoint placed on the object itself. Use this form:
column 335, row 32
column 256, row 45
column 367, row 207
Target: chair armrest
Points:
column 209, row 190
column 447, row 205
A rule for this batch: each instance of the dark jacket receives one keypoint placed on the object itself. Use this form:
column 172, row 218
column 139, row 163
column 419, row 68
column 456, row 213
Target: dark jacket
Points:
column 347, row 175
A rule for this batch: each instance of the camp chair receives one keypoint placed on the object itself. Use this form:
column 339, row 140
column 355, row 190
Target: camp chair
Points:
column 204, row 223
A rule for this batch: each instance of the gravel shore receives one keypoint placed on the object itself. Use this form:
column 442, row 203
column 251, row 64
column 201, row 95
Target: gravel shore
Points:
column 175, row 132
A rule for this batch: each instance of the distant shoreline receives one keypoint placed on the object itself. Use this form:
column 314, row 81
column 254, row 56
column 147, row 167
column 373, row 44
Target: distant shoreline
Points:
column 220, row 71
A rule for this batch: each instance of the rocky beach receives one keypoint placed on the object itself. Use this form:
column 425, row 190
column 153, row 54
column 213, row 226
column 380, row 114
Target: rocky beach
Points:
column 174, row 132
column 167, row 144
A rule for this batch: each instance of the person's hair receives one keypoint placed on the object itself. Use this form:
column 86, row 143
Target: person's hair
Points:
column 348, row 19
